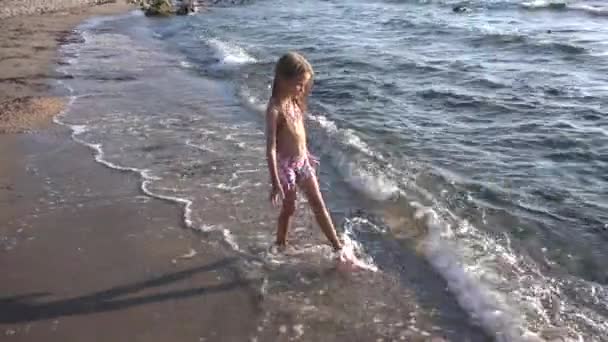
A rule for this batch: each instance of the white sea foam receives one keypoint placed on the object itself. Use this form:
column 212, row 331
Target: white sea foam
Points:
column 599, row 10
column 594, row 10
column 509, row 296
column 489, row 306
column 199, row 147
column 230, row 54
column 96, row 21
column 536, row 4
column 251, row 101
column 229, row 238
column 374, row 185
column 351, row 242
column 145, row 174
column 355, row 160
column 186, row 65
column 99, row 157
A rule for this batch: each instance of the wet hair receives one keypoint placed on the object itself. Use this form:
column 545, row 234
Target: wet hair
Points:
column 290, row 66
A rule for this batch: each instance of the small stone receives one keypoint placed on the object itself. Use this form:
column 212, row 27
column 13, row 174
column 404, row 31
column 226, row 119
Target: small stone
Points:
column 299, row 330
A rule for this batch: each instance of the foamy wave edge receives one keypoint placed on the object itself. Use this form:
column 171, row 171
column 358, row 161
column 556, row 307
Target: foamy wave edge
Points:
column 144, row 174
column 488, row 305
column 229, row 54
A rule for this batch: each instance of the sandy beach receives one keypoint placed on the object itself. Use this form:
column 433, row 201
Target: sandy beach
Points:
column 28, row 47
column 84, row 256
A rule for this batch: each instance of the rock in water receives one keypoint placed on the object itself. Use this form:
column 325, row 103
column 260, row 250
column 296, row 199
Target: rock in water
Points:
column 159, row 8
column 460, row 9
column 186, row 7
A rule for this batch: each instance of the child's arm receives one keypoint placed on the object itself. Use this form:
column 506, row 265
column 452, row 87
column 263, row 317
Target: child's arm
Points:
column 271, row 146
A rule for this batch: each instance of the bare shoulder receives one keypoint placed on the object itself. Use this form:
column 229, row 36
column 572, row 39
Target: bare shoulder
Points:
column 273, row 108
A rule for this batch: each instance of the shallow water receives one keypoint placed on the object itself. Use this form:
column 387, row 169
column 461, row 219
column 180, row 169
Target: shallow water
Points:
column 465, row 155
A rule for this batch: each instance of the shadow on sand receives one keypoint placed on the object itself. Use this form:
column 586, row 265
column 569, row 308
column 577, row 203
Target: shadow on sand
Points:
column 27, row 307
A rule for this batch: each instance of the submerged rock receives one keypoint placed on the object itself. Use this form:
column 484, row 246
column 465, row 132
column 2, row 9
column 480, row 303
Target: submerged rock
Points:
column 186, row 7
column 460, row 9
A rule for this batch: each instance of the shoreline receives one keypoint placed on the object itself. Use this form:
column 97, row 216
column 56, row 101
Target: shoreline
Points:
column 85, row 255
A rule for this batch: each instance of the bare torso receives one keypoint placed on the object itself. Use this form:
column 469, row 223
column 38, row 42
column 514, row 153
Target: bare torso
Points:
column 291, row 134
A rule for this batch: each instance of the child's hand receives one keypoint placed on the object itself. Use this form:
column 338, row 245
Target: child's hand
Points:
column 276, row 195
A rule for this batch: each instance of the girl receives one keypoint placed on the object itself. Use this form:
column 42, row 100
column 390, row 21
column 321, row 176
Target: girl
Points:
column 289, row 162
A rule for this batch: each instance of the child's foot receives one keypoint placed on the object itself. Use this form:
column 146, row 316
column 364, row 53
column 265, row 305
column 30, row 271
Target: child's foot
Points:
column 277, row 248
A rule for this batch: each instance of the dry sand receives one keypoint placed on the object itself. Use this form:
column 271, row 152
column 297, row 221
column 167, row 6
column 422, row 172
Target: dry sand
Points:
column 28, row 49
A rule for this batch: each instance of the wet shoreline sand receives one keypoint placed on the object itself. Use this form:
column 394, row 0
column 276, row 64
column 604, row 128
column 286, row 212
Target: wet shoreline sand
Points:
column 84, row 255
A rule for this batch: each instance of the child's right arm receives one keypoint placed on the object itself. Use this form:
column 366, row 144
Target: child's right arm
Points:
column 271, row 151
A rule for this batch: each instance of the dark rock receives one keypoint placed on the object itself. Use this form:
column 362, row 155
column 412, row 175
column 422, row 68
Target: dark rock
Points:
column 186, row 7
column 460, row 9
column 159, row 8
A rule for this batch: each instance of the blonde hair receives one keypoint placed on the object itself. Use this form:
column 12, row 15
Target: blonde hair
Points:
column 292, row 65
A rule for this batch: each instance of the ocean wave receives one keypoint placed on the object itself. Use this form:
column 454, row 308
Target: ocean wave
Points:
column 358, row 164
column 590, row 9
column 229, row 54
column 523, row 40
column 544, row 4
column 511, row 299
column 456, row 99
column 566, row 47
column 489, row 306
column 511, row 276
column 564, row 5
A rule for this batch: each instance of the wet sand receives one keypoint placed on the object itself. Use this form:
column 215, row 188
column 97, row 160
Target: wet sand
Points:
column 84, row 258
column 83, row 255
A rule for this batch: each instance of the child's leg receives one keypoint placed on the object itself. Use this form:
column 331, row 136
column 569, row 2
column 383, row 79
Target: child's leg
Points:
column 313, row 194
column 287, row 211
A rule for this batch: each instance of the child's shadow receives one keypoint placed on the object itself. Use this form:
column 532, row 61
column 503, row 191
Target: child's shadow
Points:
column 24, row 308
